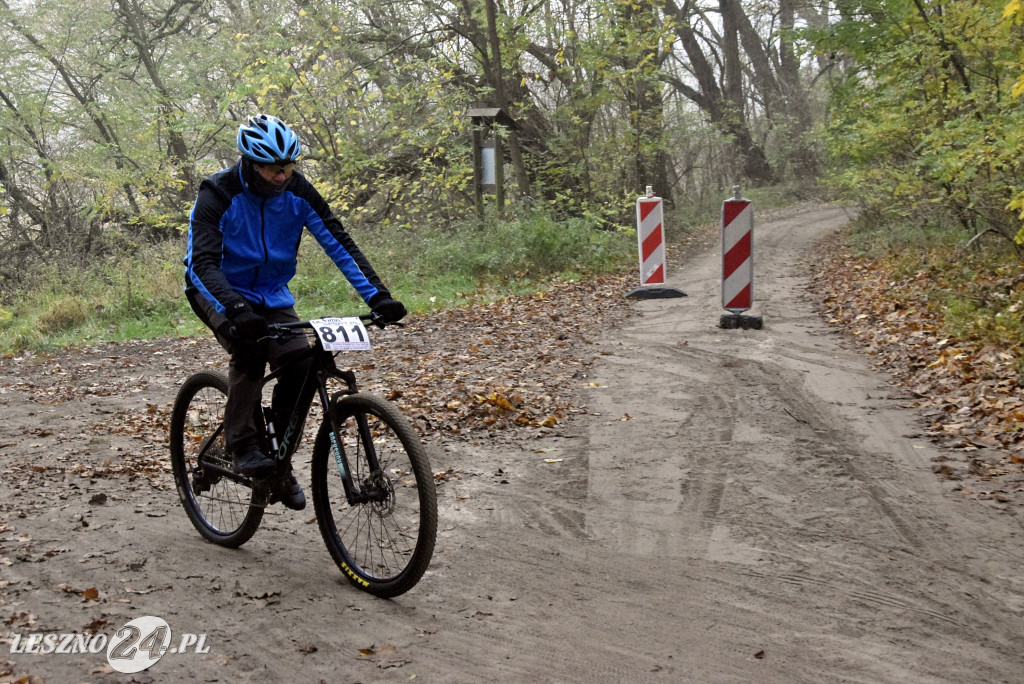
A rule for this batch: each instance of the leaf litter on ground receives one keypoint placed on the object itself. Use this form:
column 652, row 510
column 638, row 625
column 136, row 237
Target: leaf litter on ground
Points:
column 502, row 371
column 967, row 390
column 511, row 369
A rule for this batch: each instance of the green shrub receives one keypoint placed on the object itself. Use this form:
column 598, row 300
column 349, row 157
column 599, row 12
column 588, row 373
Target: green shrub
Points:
column 533, row 246
column 431, row 268
column 64, row 314
column 139, row 294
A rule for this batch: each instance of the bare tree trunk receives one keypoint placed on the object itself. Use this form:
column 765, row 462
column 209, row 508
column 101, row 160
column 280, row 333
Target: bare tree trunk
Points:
column 146, row 48
column 753, row 161
column 501, row 90
column 724, row 105
column 650, row 162
column 797, row 104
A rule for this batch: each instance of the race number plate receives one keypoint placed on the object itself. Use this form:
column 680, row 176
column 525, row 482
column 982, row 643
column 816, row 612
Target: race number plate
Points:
column 341, row 334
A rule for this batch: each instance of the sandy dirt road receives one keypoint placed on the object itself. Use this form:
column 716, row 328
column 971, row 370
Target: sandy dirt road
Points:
column 735, row 506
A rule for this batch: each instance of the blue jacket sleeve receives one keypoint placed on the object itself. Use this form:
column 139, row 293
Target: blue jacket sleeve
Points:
column 205, row 248
column 340, row 246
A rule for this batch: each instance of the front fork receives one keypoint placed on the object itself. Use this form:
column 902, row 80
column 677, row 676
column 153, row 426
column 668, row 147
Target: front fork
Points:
column 355, row 492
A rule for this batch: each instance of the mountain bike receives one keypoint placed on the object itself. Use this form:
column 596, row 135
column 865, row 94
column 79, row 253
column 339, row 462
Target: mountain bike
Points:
column 372, row 487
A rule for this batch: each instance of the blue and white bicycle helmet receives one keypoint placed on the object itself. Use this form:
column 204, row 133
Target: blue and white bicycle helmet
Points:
column 266, row 139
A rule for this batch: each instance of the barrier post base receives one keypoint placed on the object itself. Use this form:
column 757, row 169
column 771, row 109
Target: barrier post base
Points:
column 655, row 293
column 733, row 321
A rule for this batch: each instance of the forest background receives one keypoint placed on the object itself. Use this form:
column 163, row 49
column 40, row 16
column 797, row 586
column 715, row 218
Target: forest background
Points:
column 112, row 111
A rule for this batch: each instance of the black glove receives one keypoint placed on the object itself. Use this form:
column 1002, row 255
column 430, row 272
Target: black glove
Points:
column 389, row 310
column 246, row 323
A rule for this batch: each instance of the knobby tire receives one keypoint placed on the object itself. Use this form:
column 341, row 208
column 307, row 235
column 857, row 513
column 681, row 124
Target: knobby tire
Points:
column 382, row 546
column 224, row 510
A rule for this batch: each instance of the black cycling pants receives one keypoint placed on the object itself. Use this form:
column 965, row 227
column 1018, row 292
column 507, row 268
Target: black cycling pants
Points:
column 245, row 371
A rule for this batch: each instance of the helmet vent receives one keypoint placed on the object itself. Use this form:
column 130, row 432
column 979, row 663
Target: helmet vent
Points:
column 267, row 139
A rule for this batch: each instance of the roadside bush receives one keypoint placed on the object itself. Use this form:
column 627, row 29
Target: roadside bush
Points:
column 140, row 294
column 532, row 246
column 64, row 314
column 976, row 292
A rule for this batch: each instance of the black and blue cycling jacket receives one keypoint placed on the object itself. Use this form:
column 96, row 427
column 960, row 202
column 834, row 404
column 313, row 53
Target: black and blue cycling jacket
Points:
column 243, row 247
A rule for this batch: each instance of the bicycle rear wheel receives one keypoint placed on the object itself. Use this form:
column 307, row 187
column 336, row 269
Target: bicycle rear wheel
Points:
column 382, row 543
column 224, row 507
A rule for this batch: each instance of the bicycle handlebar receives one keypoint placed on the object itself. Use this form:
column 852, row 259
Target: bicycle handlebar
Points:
column 278, row 329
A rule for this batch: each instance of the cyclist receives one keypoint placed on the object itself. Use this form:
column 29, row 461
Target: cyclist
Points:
column 243, row 241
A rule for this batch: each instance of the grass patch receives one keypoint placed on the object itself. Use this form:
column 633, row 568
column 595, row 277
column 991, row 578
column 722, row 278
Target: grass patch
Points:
column 431, row 268
column 128, row 297
column 140, row 296
column 64, row 314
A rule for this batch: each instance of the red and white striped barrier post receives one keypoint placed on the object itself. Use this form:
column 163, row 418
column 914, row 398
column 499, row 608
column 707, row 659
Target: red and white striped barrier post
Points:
column 738, row 263
column 650, row 235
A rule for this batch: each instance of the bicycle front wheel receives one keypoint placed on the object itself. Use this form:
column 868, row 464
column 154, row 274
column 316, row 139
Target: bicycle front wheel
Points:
column 222, row 506
column 383, row 538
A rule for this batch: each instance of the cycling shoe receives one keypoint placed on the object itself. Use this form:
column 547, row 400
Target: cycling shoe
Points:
column 252, row 462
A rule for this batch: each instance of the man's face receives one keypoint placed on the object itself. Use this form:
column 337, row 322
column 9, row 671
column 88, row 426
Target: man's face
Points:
column 276, row 174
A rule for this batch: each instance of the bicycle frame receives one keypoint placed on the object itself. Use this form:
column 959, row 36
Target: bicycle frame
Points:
column 314, row 384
